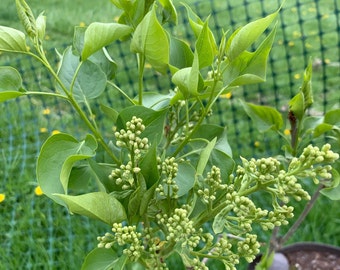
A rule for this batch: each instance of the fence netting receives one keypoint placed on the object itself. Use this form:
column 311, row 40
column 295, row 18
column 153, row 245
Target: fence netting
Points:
column 38, row 234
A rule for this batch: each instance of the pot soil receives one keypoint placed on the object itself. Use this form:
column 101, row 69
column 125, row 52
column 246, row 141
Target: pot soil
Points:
column 307, row 256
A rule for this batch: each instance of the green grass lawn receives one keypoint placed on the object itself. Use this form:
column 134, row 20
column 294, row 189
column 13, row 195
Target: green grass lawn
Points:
column 38, row 234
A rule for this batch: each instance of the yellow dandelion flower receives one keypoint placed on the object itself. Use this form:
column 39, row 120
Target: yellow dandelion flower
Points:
column 2, row 197
column 38, row 191
column 54, row 132
column 82, row 24
column 47, row 37
column 297, row 76
column 327, row 61
column 46, row 111
column 256, row 143
column 147, row 65
column 286, row 131
column 308, row 45
column 227, row 95
column 43, row 130
column 296, row 34
column 291, row 43
column 325, row 16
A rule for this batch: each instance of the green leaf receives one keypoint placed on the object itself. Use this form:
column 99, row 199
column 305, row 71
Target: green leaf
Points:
column 333, row 192
column 222, row 160
column 110, row 112
column 147, row 197
column 249, row 67
column 185, row 178
column 220, row 219
column 169, row 12
column 151, row 40
column 297, row 106
column 206, row 46
column 56, row 158
column 331, row 121
column 10, row 83
column 104, row 259
column 102, row 172
column 41, row 26
column 204, row 156
column 10, row 79
column 148, row 165
column 98, row 35
column 332, row 117
column 195, row 22
column 188, row 79
column 80, row 177
column 101, row 57
column 321, row 129
column 264, row 117
column 155, row 100
column 306, row 87
column 134, row 202
column 90, row 81
column 181, row 55
column 245, row 36
column 209, row 132
column 12, row 40
column 97, row 205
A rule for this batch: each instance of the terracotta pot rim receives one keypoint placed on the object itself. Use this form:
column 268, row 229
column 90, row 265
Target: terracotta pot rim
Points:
column 302, row 246
column 307, row 246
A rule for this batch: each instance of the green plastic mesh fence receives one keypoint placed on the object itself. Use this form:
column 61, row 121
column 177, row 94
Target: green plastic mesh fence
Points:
column 37, row 234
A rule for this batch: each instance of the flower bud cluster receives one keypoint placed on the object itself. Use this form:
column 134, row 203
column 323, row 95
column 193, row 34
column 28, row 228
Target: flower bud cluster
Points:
column 124, row 236
column 168, row 186
column 211, row 184
column 124, row 176
column 279, row 216
column 314, row 162
column 249, row 247
column 288, row 186
column 130, row 138
column 245, row 211
column 180, row 228
column 196, row 264
column 262, row 170
column 223, row 248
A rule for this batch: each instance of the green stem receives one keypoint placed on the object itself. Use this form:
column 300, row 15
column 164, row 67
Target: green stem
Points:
column 121, row 91
column 78, row 109
column 141, row 64
column 208, row 215
column 46, row 94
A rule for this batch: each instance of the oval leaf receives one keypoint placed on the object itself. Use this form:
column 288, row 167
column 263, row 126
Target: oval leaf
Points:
column 264, row 117
column 98, row 35
column 151, row 40
column 53, row 163
column 10, row 79
column 103, row 259
column 97, row 205
column 90, row 81
column 12, row 40
column 10, row 83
